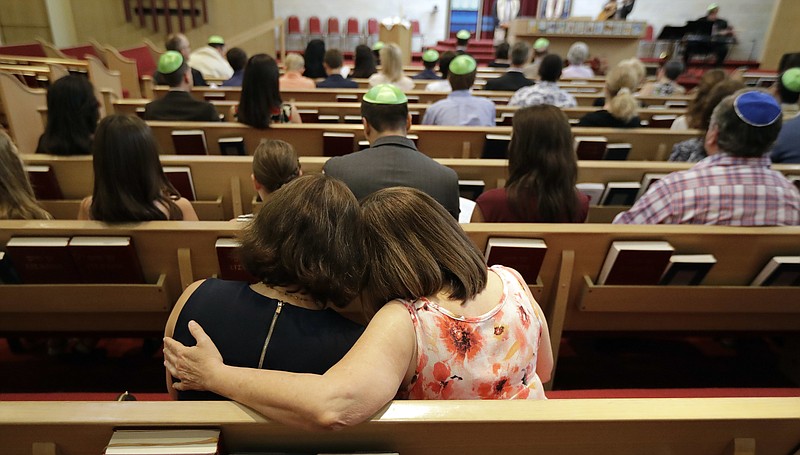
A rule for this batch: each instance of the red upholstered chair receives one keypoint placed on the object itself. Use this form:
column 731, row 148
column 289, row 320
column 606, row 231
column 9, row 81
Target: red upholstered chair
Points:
column 333, row 38
column 372, row 31
column 26, row 50
column 80, row 52
column 416, row 37
column 353, row 36
column 145, row 65
column 295, row 40
column 314, row 29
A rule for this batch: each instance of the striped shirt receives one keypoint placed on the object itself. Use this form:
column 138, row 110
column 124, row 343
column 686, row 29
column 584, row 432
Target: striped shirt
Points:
column 720, row 189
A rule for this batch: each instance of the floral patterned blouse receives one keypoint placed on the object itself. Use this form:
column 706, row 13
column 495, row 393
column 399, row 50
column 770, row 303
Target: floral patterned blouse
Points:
column 492, row 356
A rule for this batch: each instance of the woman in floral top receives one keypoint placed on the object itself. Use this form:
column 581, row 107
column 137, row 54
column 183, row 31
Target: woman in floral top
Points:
column 452, row 329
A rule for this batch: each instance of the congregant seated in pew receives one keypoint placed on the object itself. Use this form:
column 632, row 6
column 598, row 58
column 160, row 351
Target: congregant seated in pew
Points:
column 621, row 107
column 17, row 200
column 260, row 103
column 72, row 115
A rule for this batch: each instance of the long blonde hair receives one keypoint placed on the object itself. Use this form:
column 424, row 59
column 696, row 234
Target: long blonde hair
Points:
column 621, row 82
column 392, row 62
column 17, row 201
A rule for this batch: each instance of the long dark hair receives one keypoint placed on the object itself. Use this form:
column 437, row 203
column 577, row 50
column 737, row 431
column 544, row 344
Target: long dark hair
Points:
column 72, row 115
column 364, row 65
column 129, row 183
column 542, row 166
column 260, row 93
column 315, row 52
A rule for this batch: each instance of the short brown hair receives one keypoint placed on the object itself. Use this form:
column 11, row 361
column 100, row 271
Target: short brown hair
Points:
column 309, row 235
column 461, row 81
column 416, row 249
column 736, row 137
column 333, row 58
column 275, row 164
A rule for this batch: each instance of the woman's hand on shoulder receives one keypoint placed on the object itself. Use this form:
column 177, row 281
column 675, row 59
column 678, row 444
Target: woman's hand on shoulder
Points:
column 192, row 367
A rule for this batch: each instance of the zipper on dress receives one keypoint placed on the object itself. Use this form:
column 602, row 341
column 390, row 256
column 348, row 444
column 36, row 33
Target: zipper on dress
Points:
column 269, row 333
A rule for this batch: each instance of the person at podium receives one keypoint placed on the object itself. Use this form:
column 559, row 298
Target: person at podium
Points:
column 709, row 35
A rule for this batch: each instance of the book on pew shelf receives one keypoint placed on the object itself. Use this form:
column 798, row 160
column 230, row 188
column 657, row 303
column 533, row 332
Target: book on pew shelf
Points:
column 106, row 259
column 523, row 255
column 662, row 120
column 164, row 442
column 647, row 181
column 337, row 144
column 232, row 146
column 328, row 118
column 363, row 145
column 617, row 152
column 7, row 273
column 635, row 263
column 352, row 119
column 687, row 269
column 620, row 193
column 42, row 260
column 413, row 138
column 190, row 142
column 214, row 96
column 794, row 179
column 181, row 179
column 230, row 267
column 415, row 117
column 593, row 190
column 44, row 182
column 140, row 112
column 496, row 146
column 590, row 147
column 471, row 189
column 347, row 98
column 309, row 115
column 779, row 271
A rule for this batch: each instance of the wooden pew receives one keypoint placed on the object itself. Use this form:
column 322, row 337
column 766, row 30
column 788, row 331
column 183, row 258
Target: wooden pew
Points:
column 651, row 144
column 20, row 105
column 70, row 64
column 699, row 426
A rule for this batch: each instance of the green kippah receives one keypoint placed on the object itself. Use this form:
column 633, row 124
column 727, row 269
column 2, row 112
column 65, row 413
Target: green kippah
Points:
column 170, row 62
column 385, row 94
column 430, row 56
column 463, row 34
column 713, row 6
column 791, row 79
column 377, row 46
column 463, row 64
column 541, row 44
column 215, row 39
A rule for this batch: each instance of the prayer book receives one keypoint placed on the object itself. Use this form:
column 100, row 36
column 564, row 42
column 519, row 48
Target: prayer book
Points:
column 106, row 259
column 352, row 119
column 780, row 271
column 363, row 145
column 337, row 144
column 214, row 96
column 413, row 138
column 662, row 121
column 181, row 179
column 471, row 189
column 593, row 190
column 617, row 152
column 232, row 146
column 590, row 147
column 190, row 142
column 496, row 146
column 327, row 118
column 620, row 193
column 164, row 442
column 44, row 182
column 635, row 263
column 230, row 267
column 309, row 115
column 41, row 260
column 523, row 255
column 347, row 98
column 688, row 269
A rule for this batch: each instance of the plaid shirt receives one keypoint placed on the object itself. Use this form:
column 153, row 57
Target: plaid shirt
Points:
column 720, row 189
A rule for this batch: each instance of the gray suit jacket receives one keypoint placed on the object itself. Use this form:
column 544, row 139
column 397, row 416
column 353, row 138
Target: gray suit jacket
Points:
column 395, row 161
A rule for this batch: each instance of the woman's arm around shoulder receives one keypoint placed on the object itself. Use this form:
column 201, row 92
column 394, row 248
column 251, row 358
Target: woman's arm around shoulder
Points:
column 169, row 329
column 187, row 209
column 352, row 391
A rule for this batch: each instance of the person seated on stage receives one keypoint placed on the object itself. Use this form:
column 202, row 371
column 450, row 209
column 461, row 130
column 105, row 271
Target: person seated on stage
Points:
column 260, row 103
column 129, row 183
column 693, row 150
column 540, row 49
column 500, row 56
column 237, row 58
column 17, row 199
column 333, row 67
column 734, row 185
column 210, row 59
column 665, row 84
column 462, row 41
column 392, row 159
column 178, row 104
column 717, row 43
column 392, row 69
column 178, row 42
column 437, row 304
column 546, row 91
column 444, row 69
column 287, row 321
column 314, row 55
column 576, row 56
column 787, row 91
column 621, row 107
column 694, row 111
column 514, row 79
column 363, row 63
column 461, row 108
column 293, row 76
column 542, row 173
column 72, row 115
column 429, row 60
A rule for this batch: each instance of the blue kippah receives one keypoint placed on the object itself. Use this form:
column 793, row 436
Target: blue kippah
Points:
column 757, row 108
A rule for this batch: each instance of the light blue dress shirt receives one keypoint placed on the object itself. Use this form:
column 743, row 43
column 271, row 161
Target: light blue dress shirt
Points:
column 460, row 108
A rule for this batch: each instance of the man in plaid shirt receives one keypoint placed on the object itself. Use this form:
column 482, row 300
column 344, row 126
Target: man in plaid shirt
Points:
column 734, row 185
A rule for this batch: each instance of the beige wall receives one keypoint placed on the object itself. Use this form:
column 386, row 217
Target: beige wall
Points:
column 104, row 21
column 783, row 34
column 22, row 21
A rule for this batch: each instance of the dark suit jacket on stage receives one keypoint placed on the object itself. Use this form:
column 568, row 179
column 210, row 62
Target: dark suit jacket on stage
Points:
column 512, row 81
column 178, row 105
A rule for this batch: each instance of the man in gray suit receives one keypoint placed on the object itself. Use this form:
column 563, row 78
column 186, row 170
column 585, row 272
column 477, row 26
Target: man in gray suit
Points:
column 392, row 159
